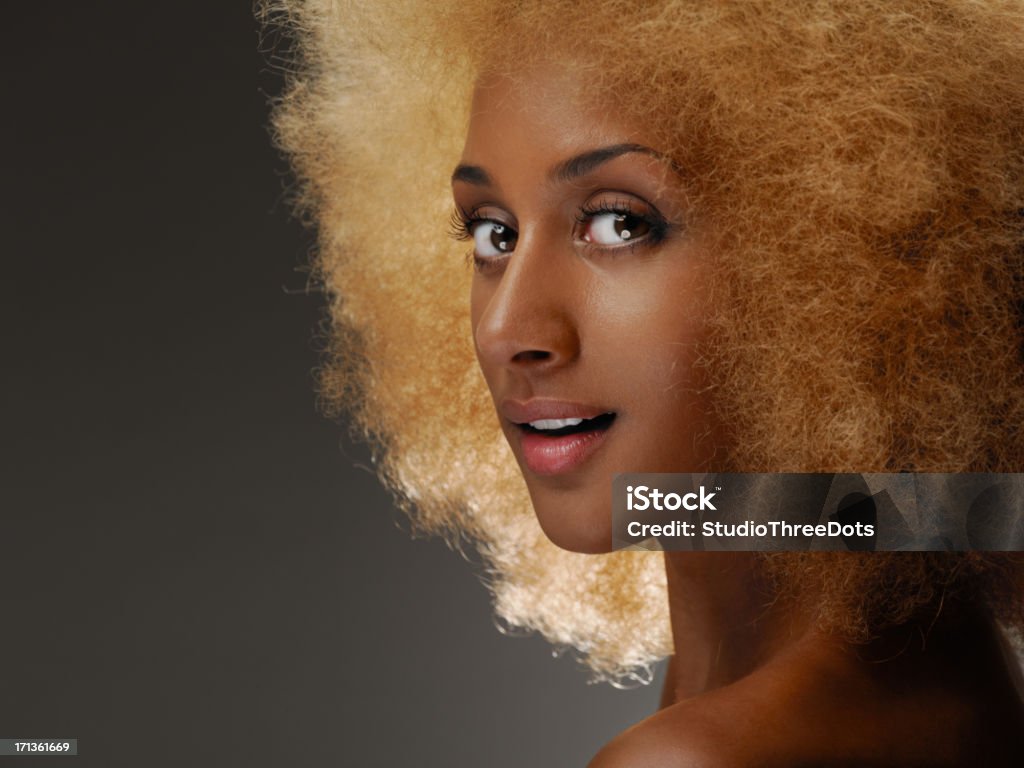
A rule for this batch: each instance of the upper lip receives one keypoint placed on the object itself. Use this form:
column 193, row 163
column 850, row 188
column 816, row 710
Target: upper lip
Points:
column 537, row 408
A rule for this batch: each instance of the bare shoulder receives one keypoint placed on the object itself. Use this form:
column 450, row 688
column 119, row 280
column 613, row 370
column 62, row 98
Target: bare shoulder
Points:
column 783, row 718
column 626, row 752
column 761, row 721
column 676, row 737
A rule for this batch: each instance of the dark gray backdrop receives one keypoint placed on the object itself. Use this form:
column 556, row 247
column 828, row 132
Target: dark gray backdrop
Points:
column 197, row 569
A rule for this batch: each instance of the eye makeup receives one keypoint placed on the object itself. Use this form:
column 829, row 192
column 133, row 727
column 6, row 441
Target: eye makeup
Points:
column 605, row 223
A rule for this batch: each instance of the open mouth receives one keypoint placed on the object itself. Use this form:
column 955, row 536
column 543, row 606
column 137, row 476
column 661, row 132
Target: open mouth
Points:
column 563, row 427
column 558, row 446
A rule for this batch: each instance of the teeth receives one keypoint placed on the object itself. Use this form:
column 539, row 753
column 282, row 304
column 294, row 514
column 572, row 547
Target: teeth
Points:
column 555, row 423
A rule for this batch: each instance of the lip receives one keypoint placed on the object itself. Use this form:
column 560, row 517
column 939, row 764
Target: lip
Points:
column 535, row 409
column 555, row 455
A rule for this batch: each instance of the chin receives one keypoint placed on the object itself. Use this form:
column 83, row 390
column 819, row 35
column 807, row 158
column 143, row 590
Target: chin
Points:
column 576, row 525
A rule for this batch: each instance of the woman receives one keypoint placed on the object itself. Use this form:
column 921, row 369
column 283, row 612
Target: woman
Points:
column 749, row 236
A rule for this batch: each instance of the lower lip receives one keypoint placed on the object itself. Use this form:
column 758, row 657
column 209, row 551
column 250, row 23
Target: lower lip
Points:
column 557, row 455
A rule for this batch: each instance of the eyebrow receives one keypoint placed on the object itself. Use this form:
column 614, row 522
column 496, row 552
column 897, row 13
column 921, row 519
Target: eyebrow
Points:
column 573, row 168
column 471, row 174
column 586, row 162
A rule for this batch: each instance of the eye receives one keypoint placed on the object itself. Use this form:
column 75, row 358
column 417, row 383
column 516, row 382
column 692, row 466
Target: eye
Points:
column 492, row 238
column 611, row 228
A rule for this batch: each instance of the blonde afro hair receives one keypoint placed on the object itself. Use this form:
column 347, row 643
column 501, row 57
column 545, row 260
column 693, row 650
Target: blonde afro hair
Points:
column 863, row 167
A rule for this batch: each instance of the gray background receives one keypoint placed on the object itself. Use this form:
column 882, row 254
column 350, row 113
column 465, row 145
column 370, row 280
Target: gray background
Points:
column 197, row 569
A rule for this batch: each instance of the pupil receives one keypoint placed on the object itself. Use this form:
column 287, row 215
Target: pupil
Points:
column 629, row 227
column 499, row 239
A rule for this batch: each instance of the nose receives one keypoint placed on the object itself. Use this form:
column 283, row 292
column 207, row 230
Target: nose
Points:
column 528, row 320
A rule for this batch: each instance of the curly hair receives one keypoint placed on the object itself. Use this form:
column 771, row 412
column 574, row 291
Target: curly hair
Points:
column 863, row 167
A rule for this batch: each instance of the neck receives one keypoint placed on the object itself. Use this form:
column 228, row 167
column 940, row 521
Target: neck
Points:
column 725, row 621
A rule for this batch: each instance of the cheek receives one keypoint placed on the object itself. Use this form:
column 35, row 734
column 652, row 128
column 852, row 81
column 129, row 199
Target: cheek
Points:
column 650, row 332
column 652, row 325
column 662, row 357
column 477, row 303
column 478, row 299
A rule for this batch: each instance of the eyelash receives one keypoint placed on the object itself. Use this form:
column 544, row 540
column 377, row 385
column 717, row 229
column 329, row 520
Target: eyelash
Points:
column 460, row 227
column 461, row 224
column 655, row 221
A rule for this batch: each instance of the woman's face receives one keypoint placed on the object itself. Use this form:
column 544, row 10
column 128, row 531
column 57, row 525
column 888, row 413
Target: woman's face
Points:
column 587, row 298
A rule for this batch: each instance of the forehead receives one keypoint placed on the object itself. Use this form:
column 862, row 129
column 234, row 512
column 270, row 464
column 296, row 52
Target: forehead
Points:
column 544, row 112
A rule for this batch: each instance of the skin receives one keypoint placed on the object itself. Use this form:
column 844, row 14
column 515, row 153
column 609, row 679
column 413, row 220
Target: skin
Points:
column 610, row 326
column 567, row 311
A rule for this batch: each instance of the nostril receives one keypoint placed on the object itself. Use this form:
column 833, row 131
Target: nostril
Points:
column 531, row 356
